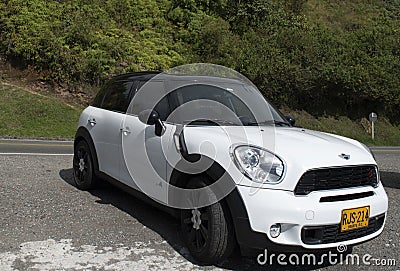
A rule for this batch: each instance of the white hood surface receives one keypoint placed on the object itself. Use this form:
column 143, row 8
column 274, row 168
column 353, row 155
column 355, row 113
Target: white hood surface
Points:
column 300, row 149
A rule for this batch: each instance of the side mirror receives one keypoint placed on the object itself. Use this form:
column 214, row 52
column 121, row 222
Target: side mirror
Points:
column 291, row 120
column 149, row 117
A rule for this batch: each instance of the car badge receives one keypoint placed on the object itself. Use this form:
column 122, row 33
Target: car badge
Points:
column 345, row 156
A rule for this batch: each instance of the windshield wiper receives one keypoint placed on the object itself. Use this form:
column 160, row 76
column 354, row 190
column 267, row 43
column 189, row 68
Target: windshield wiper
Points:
column 281, row 123
column 268, row 122
column 210, row 121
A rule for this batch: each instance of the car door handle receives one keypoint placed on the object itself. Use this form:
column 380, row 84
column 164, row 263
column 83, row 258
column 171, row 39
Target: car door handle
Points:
column 126, row 131
column 92, row 122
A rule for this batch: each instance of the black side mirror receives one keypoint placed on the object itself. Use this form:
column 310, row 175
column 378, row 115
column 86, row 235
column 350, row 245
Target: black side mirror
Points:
column 151, row 117
column 291, row 120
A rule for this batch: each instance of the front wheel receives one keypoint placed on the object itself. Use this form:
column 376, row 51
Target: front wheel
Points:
column 208, row 231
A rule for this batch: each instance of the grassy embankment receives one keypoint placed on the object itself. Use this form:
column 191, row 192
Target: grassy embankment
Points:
column 26, row 113
column 386, row 134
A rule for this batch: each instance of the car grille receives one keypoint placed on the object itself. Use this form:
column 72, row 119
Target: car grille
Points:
column 336, row 178
column 313, row 235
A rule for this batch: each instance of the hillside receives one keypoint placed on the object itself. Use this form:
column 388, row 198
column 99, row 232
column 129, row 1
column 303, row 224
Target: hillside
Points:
column 325, row 57
column 386, row 134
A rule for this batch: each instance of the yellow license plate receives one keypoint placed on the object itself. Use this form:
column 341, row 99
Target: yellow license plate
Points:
column 355, row 218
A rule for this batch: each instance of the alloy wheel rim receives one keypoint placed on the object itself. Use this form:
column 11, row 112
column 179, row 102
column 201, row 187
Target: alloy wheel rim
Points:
column 81, row 165
column 196, row 226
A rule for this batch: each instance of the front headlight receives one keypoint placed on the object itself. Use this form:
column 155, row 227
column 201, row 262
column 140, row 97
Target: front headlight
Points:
column 378, row 177
column 258, row 164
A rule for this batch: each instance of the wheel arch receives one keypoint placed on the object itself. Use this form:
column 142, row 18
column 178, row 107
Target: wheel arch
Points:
column 233, row 201
column 83, row 134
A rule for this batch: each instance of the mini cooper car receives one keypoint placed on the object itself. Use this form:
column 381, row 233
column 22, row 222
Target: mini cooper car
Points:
column 283, row 188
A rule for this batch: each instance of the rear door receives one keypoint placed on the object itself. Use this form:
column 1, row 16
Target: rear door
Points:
column 105, row 122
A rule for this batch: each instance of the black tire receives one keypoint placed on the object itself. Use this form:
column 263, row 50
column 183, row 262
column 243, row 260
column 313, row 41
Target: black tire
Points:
column 214, row 239
column 84, row 176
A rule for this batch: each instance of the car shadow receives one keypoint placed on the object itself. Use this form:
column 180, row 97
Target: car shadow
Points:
column 150, row 217
column 390, row 179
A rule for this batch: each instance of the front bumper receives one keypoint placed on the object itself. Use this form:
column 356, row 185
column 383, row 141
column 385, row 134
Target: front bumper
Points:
column 265, row 207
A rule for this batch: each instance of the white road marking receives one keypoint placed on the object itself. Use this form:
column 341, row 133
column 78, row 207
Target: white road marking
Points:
column 36, row 144
column 62, row 255
column 35, row 140
column 36, row 154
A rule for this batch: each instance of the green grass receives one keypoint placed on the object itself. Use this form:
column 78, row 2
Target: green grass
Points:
column 386, row 134
column 25, row 114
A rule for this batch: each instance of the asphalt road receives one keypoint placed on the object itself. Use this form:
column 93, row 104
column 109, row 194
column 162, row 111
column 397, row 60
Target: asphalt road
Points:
column 48, row 224
column 14, row 146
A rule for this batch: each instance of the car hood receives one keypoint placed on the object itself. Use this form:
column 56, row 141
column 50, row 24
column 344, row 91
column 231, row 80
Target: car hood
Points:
column 300, row 149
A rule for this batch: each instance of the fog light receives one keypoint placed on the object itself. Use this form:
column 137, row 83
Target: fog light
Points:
column 275, row 230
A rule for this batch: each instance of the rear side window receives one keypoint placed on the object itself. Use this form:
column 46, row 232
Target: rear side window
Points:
column 98, row 100
column 117, row 96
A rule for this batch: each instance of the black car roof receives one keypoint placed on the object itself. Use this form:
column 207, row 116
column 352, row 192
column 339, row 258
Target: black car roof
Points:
column 147, row 75
column 134, row 75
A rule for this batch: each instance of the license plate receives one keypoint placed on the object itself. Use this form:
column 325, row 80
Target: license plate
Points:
column 355, row 218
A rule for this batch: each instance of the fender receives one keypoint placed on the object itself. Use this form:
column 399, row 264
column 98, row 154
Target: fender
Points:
column 216, row 143
column 250, row 242
column 83, row 134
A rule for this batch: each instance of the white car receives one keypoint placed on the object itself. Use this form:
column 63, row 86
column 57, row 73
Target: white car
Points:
column 277, row 186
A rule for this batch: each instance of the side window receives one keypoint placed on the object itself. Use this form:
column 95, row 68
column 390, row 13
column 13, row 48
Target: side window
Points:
column 136, row 87
column 99, row 97
column 146, row 96
column 117, row 96
column 163, row 108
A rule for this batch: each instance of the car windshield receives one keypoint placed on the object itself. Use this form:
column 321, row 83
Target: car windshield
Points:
column 224, row 104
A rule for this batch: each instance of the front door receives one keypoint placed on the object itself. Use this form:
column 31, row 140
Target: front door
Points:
column 144, row 164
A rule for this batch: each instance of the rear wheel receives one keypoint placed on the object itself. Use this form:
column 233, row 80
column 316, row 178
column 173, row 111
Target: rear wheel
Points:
column 207, row 231
column 84, row 176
